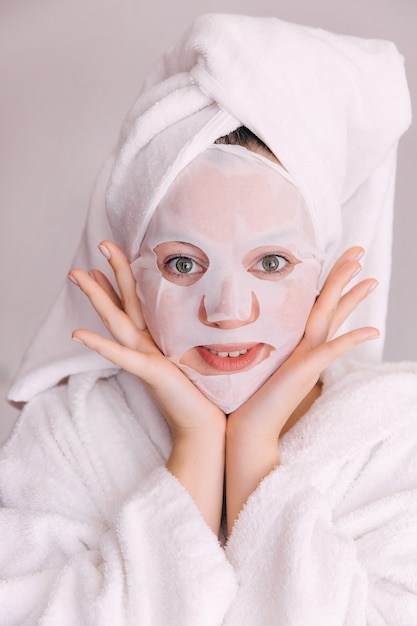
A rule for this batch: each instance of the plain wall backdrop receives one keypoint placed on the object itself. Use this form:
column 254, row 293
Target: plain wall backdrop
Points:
column 69, row 70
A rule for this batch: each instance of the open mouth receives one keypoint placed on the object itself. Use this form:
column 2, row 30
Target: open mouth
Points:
column 227, row 358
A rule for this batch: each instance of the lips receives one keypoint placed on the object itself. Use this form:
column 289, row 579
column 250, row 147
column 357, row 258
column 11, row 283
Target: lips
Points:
column 225, row 358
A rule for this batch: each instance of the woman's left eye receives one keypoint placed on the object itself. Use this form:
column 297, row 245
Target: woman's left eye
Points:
column 272, row 266
column 271, row 263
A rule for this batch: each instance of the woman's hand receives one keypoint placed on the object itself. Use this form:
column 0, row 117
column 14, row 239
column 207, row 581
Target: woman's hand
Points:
column 254, row 428
column 197, row 425
column 134, row 350
column 267, row 411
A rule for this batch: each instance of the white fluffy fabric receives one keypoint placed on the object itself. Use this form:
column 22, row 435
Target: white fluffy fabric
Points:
column 331, row 108
column 96, row 531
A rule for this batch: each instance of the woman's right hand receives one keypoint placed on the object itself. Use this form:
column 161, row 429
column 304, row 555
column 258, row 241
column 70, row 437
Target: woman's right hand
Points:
column 182, row 404
column 197, row 425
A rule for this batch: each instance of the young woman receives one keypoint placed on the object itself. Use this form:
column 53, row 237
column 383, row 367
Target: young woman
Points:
column 234, row 459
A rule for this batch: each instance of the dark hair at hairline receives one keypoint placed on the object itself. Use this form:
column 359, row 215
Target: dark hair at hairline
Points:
column 243, row 136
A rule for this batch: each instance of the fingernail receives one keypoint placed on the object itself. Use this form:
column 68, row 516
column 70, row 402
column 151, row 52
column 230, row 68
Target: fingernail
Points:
column 373, row 286
column 73, row 280
column 104, row 251
column 360, row 254
column 91, row 275
column 78, row 340
column 375, row 335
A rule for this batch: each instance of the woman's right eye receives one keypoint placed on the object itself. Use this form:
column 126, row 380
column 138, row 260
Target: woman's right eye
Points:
column 183, row 265
column 182, row 270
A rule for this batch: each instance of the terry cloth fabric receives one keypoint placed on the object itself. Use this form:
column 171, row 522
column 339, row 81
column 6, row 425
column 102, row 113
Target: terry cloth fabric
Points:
column 330, row 107
column 95, row 530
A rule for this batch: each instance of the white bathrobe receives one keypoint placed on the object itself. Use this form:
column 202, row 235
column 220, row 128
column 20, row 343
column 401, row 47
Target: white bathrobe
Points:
column 96, row 531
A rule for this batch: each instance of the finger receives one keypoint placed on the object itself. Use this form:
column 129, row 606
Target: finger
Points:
column 332, row 350
column 125, row 281
column 174, row 393
column 324, row 309
column 131, row 360
column 115, row 320
column 304, row 367
column 293, row 380
column 328, row 305
column 351, row 254
column 349, row 301
column 105, row 284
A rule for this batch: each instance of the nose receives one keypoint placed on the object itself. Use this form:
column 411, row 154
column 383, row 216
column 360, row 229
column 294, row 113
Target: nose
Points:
column 233, row 307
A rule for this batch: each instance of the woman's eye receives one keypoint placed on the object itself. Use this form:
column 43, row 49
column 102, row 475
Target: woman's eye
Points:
column 183, row 265
column 272, row 263
column 272, row 266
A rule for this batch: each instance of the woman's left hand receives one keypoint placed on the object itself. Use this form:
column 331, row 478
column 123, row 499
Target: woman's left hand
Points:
column 267, row 411
column 254, row 428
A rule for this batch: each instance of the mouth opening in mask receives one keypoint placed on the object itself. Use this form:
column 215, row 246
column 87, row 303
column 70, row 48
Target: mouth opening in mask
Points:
column 217, row 359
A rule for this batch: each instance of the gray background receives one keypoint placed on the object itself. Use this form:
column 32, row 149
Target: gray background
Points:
column 69, row 70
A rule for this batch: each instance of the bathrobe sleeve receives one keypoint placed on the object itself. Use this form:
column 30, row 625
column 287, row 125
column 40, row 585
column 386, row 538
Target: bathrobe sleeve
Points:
column 329, row 538
column 84, row 541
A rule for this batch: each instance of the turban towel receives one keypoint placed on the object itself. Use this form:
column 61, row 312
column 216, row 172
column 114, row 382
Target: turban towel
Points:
column 331, row 108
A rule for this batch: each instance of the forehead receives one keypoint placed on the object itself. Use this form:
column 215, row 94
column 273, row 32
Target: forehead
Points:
column 219, row 195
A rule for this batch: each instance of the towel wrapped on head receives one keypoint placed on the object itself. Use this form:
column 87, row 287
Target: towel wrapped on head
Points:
column 330, row 107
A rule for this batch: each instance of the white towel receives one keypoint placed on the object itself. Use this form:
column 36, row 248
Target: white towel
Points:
column 331, row 108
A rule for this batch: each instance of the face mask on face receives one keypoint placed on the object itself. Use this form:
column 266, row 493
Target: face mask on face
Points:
column 228, row 272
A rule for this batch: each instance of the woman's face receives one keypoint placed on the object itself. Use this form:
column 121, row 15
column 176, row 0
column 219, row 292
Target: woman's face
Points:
column 228, row 273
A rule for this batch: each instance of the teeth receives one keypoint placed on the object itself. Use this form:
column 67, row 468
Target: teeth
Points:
column 233, row 355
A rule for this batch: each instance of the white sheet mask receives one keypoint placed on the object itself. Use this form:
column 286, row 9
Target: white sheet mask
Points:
column 228, row 272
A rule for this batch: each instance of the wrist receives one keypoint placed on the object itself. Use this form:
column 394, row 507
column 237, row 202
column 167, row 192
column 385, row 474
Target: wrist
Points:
column 197, row 460
column 252, row 445
column 242, row 427
column 212, row 429
column 198, row 446
column 250, row 457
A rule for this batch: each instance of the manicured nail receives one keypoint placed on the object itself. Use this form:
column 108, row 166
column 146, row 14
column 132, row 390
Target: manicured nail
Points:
column 78, row 340
column 373, row 286
column 375, row 335
column 356, row 272
column 359, row 254
column 104, row 251
column 73, row 280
